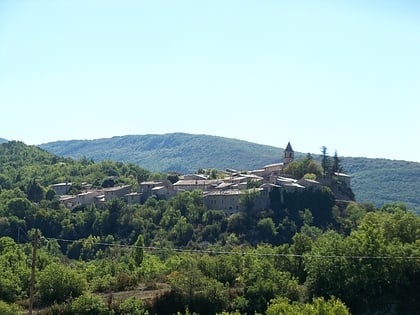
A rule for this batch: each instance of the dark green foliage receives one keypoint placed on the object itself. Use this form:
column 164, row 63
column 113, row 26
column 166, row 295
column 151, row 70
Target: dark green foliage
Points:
column 336, row 164
column 319, row 202
column 13, row 270
column 9, row 309
column 303, row 247
column 318, row 306
column 88, row 304
column 132, row 306
column 108, row 182
column 138, row 250
column 35, row 191
column 384, row 181
column 297, row 169
column 325, row 161
column 32, row 170
column 370, row 282
column 57, row 283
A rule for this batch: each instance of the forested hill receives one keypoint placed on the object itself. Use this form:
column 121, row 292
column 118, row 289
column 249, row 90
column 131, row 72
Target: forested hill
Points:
column 179, row 152
column 373, row 180
column 384, row 181
column 2, row 140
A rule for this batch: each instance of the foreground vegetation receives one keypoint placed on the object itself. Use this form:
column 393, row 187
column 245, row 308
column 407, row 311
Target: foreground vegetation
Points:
column 306, row 256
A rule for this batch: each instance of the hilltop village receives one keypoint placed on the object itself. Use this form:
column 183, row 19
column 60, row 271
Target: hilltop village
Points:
column 218, row 194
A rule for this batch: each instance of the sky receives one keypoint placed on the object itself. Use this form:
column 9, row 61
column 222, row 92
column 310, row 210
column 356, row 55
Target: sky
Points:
column 339, row 74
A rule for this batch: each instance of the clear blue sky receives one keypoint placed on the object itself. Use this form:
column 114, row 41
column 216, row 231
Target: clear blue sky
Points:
column 340, row 74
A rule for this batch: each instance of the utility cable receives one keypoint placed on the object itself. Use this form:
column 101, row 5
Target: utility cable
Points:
column 224, row 252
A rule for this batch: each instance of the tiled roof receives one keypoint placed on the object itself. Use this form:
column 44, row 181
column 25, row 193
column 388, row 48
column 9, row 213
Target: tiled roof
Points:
column 191, row 182
column 274, row 165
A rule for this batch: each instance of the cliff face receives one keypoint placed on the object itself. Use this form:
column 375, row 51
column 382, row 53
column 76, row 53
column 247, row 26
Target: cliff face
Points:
column 341, row 191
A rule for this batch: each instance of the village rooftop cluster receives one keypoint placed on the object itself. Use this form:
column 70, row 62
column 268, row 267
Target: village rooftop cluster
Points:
column 218, row 194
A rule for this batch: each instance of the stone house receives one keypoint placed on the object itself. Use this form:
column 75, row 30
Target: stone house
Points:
column 226, row 200
column 132, row 198
column 161, row 189
column 194, row 177
column 343, row 178
column 309, row 183
column 61, row 188
column 69, row 201
column 116, row 192
column 190, row 185
column 87, row 197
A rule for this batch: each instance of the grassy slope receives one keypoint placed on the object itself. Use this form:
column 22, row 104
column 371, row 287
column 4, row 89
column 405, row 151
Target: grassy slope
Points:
column 373, row 180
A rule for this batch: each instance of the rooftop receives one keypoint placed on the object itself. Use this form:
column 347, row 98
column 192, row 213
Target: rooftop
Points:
column 288, row 147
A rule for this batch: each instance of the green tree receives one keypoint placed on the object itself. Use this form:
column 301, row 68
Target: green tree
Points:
column 89, row 304
column 264, row 280
column 5, row 182
column 132, row 306
column 325, row 161
column 14, row 273
column 366, row 269
column 336, row 164
column 10, row 285
column 182, row 232
column 295, row 169
column 319, row 306
column 19, row 207
column 9, row 309
column 267, row 229
column 299, row 169
column 56, row 283
column 35, row 191
column 138, row 250
column 310, row 166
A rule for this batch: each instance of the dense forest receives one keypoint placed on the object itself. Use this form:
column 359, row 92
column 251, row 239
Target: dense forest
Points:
column 308, row 254
column 378, row 181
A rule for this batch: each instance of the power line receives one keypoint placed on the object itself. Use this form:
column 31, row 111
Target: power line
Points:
column 224, row 252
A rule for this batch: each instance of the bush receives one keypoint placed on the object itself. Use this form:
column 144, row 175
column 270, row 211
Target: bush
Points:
column 57, row 283
column 89, row 304
column 132, row 306
column 9, row 309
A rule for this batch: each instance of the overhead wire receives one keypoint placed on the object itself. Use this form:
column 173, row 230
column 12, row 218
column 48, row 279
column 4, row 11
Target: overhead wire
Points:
column 241, row 253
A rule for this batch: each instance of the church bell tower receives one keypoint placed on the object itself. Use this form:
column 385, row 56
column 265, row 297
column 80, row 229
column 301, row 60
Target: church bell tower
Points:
column 288, row 155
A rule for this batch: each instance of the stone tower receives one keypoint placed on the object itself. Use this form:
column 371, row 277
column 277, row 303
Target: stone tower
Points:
column 288, row 155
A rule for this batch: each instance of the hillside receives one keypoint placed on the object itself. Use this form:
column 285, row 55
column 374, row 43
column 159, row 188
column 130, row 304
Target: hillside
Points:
column 2, row 140
column 180, row 152
column 373, row 180
column 384, row 181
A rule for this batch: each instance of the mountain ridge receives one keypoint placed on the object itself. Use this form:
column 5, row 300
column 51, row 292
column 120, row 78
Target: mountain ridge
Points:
column 376, row 180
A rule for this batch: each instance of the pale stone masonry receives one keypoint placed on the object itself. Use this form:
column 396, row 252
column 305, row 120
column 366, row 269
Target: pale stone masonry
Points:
column 218, row 194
